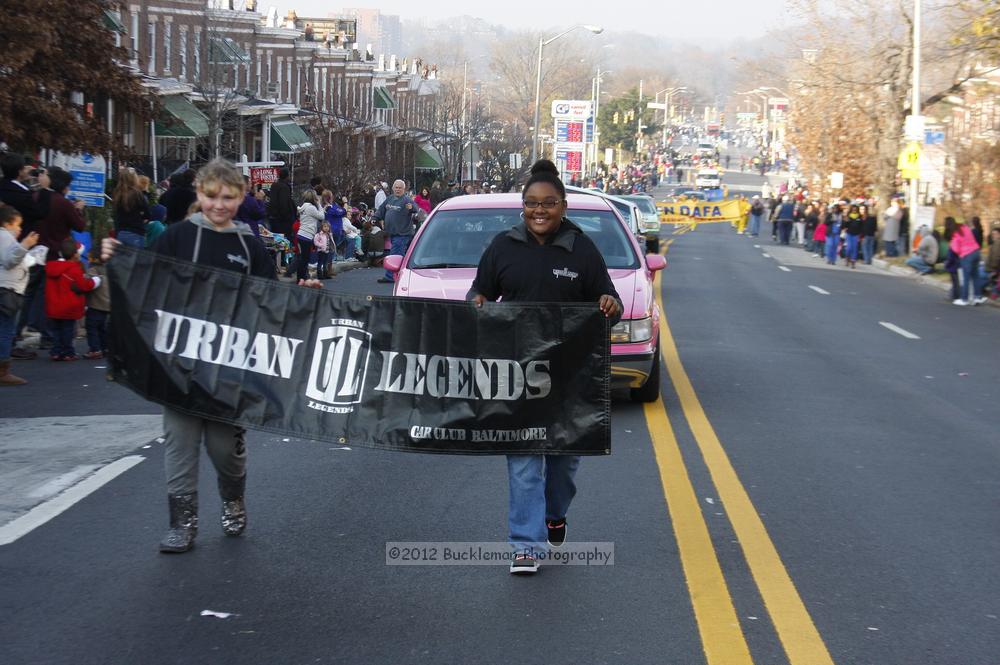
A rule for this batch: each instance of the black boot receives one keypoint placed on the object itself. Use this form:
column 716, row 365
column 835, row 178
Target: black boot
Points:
column 183, row 523
column 234, row 510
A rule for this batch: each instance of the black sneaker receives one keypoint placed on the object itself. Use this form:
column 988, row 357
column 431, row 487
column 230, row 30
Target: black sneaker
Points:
column 523, row 564
column 557, row 532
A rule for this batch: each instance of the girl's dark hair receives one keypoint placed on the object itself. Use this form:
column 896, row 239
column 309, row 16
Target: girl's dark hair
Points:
column 545, row 171
column 950, row 226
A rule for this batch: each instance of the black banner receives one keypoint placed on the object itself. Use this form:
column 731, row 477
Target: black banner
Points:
column 432, row 376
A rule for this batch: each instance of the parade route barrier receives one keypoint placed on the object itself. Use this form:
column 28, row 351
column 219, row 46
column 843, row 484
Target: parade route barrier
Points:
column 431, row 376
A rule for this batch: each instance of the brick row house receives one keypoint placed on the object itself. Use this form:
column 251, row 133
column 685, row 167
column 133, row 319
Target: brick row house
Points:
column 250, row 87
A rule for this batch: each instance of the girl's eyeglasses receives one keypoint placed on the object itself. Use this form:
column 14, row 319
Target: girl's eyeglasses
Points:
column 548, row 204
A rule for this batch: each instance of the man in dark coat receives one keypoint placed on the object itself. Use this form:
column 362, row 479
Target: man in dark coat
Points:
column 179, row 198
column 64, row 215
column 15, row 192
column 281, row 209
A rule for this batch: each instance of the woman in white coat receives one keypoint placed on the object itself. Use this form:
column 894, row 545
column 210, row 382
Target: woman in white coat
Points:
column 310, row 217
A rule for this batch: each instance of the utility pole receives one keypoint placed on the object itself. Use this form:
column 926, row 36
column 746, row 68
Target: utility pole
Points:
column 638, row 135
column 915, row 106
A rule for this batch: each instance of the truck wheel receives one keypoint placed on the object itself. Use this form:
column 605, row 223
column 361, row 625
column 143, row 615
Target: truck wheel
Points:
column 652, row 245
column 651, row 389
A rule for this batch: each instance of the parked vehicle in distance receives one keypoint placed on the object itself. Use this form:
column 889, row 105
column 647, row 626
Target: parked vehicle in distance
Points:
column 627, row 209
column 650, row 220
column 708, row 179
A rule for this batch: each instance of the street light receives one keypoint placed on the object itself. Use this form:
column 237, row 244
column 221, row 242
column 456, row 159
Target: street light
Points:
column 666, row 103
column 596, row 89
column 767, row 113
column 542, row 43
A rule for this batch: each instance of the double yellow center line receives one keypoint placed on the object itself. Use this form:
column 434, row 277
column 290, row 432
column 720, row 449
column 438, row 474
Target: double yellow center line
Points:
column 721, row 634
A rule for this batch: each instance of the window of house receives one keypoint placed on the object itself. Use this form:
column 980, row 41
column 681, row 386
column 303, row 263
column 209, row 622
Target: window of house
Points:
column 182, row 53
column 151, row 33
column 197, row 55
column 134, row 36
column 168, row 30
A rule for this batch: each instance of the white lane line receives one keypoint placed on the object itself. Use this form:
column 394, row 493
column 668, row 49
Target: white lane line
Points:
column 756, row 246
column 55, row 506
column 820, row 291
column 784, row 268
column 766, row 255
column 60, row 483
column 899, row 331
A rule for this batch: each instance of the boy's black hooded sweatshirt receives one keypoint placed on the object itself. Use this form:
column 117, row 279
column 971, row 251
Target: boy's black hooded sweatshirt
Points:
column 235, row 248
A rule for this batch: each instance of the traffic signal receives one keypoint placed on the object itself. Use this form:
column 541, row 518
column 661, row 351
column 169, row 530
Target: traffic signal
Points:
column 616, row 117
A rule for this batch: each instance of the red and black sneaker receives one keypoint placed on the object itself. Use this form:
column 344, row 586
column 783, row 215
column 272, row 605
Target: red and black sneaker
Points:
column 557, row 532
column 523, row 563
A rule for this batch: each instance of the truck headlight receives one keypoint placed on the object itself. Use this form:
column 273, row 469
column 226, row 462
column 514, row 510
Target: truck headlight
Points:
column 632, row 330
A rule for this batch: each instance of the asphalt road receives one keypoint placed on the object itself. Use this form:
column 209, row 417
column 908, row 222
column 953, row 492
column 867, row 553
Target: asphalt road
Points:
column 869, row 459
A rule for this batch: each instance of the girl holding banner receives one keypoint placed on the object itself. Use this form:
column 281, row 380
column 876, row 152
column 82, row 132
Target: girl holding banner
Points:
column 530, row 263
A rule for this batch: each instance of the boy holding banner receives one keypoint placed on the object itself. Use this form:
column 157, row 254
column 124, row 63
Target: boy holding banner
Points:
column 212, row 237
column 532, row 263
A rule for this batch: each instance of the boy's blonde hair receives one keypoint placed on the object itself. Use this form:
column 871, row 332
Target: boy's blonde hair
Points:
column 219, row 173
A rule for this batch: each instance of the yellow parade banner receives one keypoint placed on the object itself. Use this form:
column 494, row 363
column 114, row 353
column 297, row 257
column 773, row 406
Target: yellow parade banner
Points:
column 704, row 212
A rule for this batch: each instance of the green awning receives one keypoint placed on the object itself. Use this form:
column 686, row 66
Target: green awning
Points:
column 384, row 100
column 225, row 51
column 287, row 136
column 181, row 119
column 428, row 158
column 112, row 22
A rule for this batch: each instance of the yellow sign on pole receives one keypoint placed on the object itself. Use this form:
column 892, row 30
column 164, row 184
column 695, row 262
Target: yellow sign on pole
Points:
column 909, row 161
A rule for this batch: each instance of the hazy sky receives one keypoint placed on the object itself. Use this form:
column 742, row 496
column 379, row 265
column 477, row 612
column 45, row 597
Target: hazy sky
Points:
column 688, row 19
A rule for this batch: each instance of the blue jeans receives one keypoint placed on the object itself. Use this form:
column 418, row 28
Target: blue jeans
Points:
column 131, row 239
column 399, row 245
column 63, row 331
column 8, row 324
column 97, row 329
column 831, row 249
column 755, row 225
column 918, row 264
column 868, row 248
column 785, row 231
column 851, row 247
column 890, row 248
column 969, row 265
column 541, row 488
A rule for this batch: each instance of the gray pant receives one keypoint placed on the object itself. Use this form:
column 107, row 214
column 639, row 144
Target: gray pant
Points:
column 226, row 445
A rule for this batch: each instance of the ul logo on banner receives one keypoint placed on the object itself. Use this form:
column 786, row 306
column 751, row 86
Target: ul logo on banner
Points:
column 339, row 364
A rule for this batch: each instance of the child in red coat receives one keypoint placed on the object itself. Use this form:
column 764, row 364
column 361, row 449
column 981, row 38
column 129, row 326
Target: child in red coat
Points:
column 65, row 284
